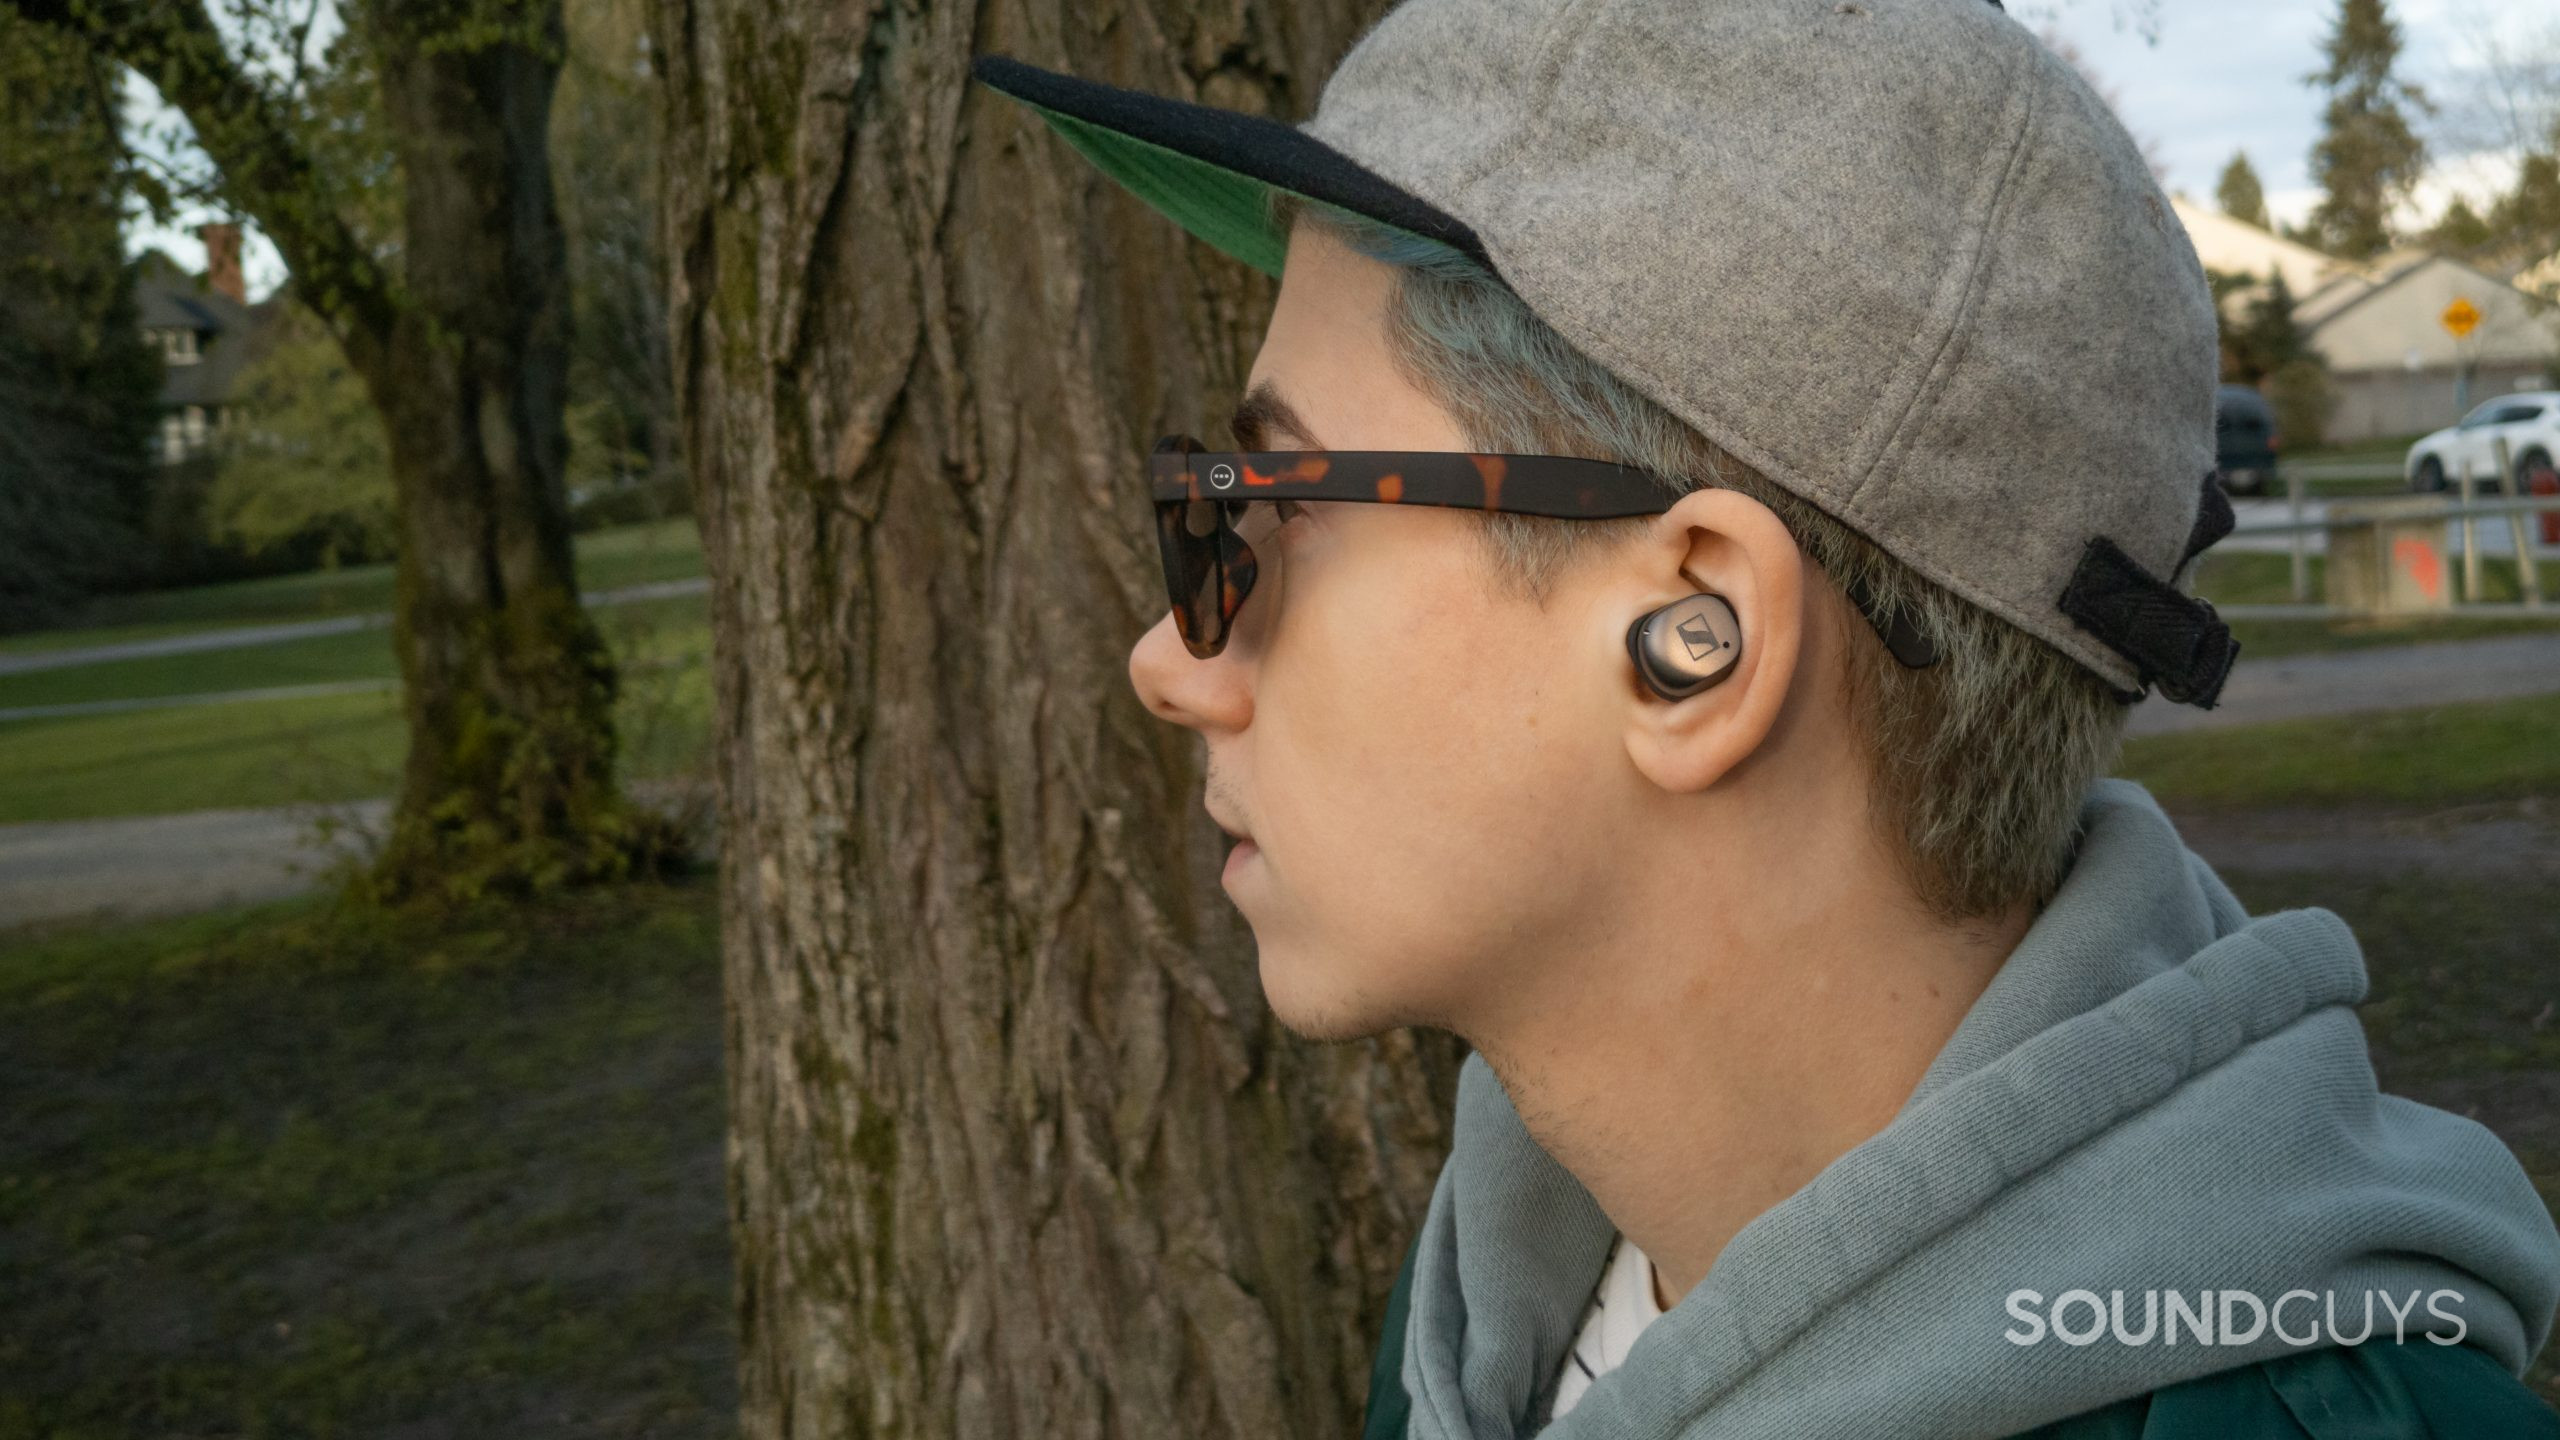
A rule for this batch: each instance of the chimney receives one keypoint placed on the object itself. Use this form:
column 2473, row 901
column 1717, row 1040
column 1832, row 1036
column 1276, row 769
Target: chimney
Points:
column 222, row 259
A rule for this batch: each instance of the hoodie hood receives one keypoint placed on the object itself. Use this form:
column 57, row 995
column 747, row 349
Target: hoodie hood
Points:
column 2158, row 1093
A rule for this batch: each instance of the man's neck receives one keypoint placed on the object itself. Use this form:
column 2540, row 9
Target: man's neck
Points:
column 1688, row 1098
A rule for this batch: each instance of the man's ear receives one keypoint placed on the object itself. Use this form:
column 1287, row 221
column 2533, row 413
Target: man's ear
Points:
column 1725, row 543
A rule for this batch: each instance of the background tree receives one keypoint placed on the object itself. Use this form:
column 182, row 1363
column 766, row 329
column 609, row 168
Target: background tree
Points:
column 2240, row 194
column 2460, row 231
column 1017, row 1148
column 2523, row 227
column 2264, row 346
column 305, row 464
column 458, row 324
column 2368, row 157
column 79, row 388
column 2266, row 337
column 626, row 462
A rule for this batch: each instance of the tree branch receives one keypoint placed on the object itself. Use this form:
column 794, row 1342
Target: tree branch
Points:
column 173, row 44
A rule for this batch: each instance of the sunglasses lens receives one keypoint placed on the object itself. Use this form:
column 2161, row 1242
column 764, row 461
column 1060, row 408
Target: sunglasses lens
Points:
column 1207, row 570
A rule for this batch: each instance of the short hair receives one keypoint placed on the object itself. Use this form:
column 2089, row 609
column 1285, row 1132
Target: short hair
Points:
column 1976, row 765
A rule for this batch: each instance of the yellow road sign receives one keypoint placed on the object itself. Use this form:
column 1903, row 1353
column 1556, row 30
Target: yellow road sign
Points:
column 2461, row 317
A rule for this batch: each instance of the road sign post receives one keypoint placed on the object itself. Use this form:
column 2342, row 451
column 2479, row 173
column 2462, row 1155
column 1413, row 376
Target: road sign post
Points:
column 2461, row 318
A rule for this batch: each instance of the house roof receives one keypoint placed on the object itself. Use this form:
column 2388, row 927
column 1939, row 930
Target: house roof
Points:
column 2226, row 244
column 167, row 297
column 2391, row 268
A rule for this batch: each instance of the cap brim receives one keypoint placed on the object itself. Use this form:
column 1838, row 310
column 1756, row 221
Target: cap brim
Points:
column 1212, row 171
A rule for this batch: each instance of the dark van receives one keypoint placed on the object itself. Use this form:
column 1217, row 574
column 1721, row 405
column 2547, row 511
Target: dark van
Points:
column 2245, row 440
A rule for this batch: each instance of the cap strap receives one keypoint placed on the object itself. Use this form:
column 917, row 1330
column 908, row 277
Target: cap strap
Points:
column 2174, row 640
column 2213, row 521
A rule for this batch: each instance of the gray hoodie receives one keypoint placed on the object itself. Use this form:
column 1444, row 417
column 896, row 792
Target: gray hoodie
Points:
column 2157, row 1093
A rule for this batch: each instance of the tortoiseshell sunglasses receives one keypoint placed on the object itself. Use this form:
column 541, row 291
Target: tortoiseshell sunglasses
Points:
column 1209, row 569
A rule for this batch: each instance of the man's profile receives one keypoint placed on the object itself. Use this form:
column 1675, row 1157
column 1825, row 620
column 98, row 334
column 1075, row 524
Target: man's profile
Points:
column 1852, row 1058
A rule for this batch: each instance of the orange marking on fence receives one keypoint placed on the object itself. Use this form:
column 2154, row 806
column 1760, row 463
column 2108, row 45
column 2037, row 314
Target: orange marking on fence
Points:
column 2418, row 558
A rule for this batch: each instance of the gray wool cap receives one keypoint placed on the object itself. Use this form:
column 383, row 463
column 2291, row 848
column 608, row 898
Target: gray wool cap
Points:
column 1893, row 254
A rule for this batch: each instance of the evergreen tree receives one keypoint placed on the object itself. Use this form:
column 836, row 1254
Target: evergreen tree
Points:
column 2267, row 337
column 2524, row 225
column 2240, row 194
column 2461, row 232
column 78, row 385
column 2368, row 157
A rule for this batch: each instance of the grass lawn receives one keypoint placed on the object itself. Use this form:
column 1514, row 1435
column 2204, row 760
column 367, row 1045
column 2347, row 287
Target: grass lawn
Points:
column 308, row 748
column 2447, row 755
column 607, row 559
column 2461, row 1014
column 680, row 621
column 262, row 1179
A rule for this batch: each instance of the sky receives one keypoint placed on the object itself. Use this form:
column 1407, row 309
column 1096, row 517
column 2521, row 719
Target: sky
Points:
column 2195, row 79
column 2226, row 75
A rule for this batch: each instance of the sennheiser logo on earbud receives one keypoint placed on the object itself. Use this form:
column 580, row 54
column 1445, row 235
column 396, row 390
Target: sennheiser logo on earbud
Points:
column 1699, row 636
column 1222, row 476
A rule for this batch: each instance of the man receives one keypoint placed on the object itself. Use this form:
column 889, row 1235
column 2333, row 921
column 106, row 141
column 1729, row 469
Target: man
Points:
column 1716, row 475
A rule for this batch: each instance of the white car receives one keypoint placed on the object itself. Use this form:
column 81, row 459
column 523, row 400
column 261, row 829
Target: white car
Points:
column 2528, row 421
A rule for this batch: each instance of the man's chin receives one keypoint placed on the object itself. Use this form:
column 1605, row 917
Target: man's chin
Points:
column 1326, row 1014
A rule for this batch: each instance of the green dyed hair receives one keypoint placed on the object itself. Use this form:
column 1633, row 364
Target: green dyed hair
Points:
column 1976, row 765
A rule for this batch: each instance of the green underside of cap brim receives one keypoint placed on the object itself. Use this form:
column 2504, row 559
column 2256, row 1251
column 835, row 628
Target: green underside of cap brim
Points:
column 1229, row 210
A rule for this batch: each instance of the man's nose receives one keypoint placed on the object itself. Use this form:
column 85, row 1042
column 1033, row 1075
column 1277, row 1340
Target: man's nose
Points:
column 1211, row 694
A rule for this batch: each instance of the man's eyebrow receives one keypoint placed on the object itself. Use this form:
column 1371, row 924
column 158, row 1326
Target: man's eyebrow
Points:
column 1261, row 414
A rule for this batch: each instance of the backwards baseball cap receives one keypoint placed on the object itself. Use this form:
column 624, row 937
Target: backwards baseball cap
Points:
column 1893, row 254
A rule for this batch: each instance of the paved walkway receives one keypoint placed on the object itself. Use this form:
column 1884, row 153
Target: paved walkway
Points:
column 2394, row 677
column 209, row 697
column 242, row 636
column 165, row 864
column 75, row 870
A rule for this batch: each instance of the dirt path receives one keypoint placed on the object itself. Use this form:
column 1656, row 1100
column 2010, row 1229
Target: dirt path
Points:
column 76, row 871
column 2395, row 677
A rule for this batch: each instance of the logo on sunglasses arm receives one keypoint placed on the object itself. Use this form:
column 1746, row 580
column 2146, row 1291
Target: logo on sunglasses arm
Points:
column 1222, row 476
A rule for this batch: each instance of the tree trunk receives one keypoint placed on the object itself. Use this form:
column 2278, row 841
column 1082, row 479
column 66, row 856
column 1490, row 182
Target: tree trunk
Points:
column 1017, row 1148
column 508, row 686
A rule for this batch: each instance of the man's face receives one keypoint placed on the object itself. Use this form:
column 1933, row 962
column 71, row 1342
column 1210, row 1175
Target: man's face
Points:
column 1428, row 767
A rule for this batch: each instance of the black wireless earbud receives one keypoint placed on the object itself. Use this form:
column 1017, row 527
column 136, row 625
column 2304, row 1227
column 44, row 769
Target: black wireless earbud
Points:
column 1686, row 646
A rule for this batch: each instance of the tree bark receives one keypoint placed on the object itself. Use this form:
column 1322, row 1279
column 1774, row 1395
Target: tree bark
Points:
column 1016, row 1147
column 508, row 687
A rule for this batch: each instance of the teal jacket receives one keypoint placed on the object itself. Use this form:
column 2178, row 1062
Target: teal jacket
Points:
column 2416, row 1391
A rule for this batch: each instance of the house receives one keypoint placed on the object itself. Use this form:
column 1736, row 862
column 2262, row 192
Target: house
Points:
column 202, row 327
column 2399, row 371
column 2380, row 324
column 2240, row 248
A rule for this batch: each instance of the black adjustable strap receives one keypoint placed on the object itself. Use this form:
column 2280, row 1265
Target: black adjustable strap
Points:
column 2174, row 640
